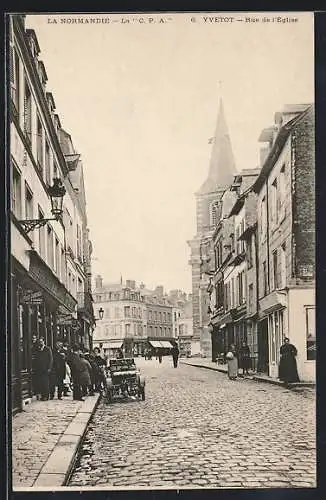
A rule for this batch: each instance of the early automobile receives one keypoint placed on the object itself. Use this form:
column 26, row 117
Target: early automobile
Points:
column 124, row 380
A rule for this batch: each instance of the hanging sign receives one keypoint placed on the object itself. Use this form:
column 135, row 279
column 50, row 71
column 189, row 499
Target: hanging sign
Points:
column 32, row 298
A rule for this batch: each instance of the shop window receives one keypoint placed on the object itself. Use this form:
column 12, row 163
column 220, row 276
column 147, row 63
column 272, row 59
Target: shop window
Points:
column 311, row 333
column 272, row 338
column 23, row 339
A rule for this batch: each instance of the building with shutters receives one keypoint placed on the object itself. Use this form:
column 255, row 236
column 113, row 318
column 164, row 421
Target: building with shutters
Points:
column 134, row 319
column 208, row 207
column 262, row 267
column 50, row 286
column 285, row 192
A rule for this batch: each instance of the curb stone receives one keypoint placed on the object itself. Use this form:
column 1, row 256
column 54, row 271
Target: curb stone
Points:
column 58, row 467
column 256, row 378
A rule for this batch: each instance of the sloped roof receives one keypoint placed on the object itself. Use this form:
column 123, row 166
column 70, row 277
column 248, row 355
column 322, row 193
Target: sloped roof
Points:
column 222, row 163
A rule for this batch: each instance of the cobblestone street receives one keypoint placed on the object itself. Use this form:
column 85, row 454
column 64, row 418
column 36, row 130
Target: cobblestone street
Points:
column 198, row 429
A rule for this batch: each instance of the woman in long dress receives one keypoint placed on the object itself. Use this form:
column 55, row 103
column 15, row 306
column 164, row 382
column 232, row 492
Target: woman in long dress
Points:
column 232, row 360
column 244, row 358
column 288, row 371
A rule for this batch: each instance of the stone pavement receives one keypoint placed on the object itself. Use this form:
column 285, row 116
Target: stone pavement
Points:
column 258, row 377
column 198, row 429
column 45, row 438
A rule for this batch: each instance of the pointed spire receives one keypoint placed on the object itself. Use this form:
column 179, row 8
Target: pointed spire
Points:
column 222, row 164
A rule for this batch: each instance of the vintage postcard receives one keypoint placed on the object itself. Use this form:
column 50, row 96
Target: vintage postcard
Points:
column 162, row 286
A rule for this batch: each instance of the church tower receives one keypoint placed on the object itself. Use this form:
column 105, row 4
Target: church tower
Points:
column 220, row 175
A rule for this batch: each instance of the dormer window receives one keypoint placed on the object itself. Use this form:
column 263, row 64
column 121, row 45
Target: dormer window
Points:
column 42, row 74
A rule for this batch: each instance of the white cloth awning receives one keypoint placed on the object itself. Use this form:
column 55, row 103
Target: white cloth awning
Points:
column 155, row 343
column 166, row 344
column 112, row 345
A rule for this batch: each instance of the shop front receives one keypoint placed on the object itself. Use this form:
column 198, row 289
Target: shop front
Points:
column 273, row 321
column 36, row 296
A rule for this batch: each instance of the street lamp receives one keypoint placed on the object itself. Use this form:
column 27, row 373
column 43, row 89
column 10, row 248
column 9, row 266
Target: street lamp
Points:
column 100, row 314
column 56, row 193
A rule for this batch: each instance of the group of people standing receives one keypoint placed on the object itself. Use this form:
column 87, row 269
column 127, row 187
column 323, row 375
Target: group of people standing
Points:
column 240, row 358
column 174, row 351
column 65, row 369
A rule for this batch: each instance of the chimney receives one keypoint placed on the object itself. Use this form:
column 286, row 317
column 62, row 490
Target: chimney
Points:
column 131, row 284
column 98, row 281
column 159, row 291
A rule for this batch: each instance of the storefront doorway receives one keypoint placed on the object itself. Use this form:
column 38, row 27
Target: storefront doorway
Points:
column 263, row 351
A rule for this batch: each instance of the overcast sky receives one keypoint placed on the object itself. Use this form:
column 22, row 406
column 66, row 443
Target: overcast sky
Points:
column 141, row 102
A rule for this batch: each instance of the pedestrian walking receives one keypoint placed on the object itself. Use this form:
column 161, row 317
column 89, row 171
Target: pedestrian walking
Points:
column 175, row 355
column 58, row 372
column 288, row 371
column 90, row 358
column 100, row 379
column 75, row 364
column 43, row 367
column 67, row 380
column 85, row 375
column 244, row 358
column 232, row 360
column 159, row 355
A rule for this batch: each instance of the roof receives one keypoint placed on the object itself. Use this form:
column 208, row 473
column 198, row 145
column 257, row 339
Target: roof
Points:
column 31, row 33
column 276, row 149
column 222, row 163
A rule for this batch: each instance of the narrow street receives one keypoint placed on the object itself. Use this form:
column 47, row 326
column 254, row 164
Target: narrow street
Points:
column 197, row 429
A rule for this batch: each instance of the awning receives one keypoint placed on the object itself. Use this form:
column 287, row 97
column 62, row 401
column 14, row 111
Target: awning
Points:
column 155, row 343
column 166, row 344
column 112, row 345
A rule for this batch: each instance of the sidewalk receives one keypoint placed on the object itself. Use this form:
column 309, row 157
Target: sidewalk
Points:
column 45, row 439
column 258, row 377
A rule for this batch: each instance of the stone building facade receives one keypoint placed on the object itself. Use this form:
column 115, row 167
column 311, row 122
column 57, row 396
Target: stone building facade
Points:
column 263, row 285
column 134, row 317
column 208, row 199
column 50, row 263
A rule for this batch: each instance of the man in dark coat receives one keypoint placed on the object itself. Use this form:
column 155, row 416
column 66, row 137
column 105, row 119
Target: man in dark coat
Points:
column 175, row 355
column 58, row 372
column 100, row 379
column 43, row 367
column 76, row 368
